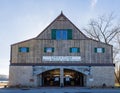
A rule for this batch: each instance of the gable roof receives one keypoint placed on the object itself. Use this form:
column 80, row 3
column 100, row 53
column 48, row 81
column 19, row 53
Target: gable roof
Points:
column 60, row 17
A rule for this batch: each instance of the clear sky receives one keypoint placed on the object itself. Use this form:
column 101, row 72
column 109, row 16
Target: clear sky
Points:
column 25, row 19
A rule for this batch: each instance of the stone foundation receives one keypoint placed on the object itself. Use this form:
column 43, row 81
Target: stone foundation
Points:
column 96, row 77
column 101, row 75
column 21, row 76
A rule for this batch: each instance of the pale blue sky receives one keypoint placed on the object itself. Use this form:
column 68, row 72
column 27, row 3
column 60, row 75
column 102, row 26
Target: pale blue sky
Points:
column 25, row 19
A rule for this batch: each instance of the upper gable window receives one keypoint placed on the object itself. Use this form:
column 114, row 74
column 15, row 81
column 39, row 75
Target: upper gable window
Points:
column 61, row 34
column 24, row 49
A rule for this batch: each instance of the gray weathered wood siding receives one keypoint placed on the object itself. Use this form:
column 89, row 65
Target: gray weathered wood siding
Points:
column 61, row 48
column 61, row 23
column 18, row 57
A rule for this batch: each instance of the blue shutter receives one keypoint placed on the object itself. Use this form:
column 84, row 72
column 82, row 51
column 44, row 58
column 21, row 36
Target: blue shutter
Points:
column 95, row 50
column 53, row 34
column 27, row 48
column 69, row 34
column 52, row 49
column 70, row 50
column 45, row 49
column 103, row 50
column 78, row 50
column 19, row 49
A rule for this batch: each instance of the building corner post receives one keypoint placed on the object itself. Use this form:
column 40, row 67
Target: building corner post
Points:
column 61, row 77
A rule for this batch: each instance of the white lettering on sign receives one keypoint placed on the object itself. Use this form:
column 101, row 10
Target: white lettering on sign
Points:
column 61, row 58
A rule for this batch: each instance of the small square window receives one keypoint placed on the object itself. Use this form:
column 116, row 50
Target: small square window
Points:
column 99, row 50
column 74, row 50
column 23, row 49
column 48, row 49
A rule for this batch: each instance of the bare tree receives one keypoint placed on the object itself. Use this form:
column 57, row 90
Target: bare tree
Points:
column 105, row 29
column 116, row 57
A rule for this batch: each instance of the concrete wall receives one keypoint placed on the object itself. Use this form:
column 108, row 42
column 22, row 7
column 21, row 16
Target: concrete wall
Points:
column 61, row 48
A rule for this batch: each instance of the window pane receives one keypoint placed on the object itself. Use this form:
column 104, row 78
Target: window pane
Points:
column 64, row 34
column 74, row 50
column 99, row 50
column 58, row 35
column 23, row 49
column 61, row 34
column 49, row 50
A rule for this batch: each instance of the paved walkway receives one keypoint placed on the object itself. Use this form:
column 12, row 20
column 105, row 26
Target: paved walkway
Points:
column 59, row 90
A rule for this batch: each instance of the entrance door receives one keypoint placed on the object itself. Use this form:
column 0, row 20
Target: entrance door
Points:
column 51, row 78
column 73, row 78
column 70, row 78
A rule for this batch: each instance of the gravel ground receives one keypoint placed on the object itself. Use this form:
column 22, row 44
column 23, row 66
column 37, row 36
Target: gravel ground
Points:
column 59, row 90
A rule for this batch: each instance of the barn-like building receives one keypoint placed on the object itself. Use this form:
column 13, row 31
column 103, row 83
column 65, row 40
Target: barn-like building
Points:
column 61, row 55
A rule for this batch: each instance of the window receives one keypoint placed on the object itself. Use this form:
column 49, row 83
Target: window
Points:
column 61, row 34
column 48, row 49
column 74, row 50
column 99, row 50
column 23, row 49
